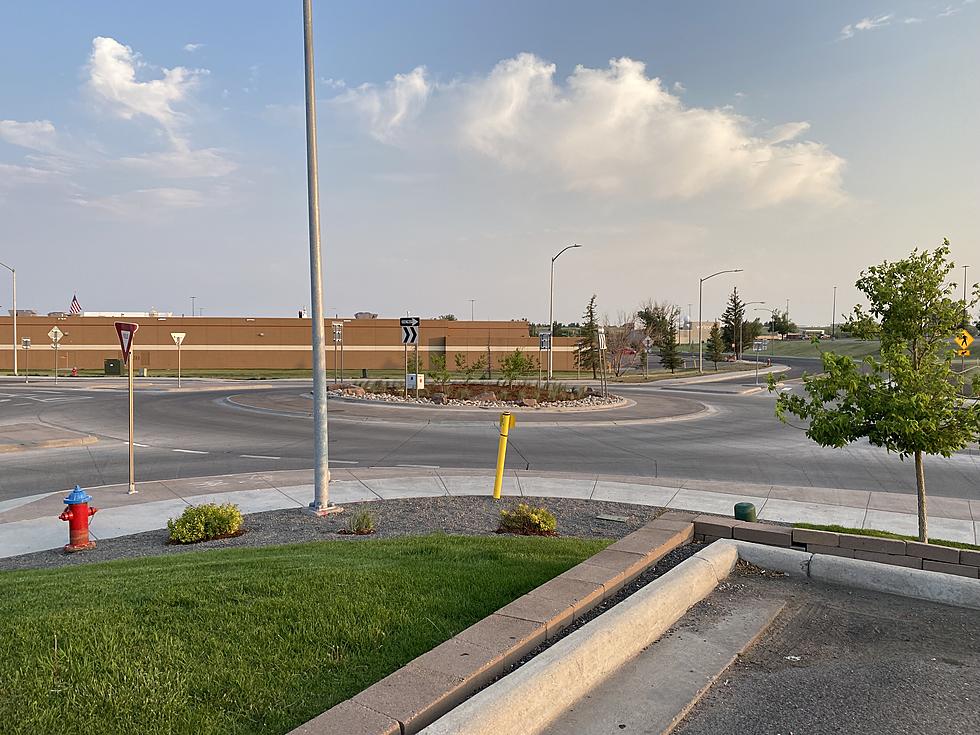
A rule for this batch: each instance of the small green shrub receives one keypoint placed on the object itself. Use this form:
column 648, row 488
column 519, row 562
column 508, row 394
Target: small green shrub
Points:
column 360, row 523
column 527, row 521
column 204, row 522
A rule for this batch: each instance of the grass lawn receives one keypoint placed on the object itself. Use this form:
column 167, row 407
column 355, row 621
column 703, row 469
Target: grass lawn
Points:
column 884, row 534
column 245, row 641
column 804, row 348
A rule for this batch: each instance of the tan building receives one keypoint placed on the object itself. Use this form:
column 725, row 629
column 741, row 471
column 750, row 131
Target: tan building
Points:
column 223, row 343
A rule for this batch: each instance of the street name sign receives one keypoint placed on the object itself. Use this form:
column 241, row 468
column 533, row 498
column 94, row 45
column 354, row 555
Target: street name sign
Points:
column 410, row 330
column 125, row 332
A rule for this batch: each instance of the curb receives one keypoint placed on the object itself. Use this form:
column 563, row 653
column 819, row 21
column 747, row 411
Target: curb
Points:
column 49, row 444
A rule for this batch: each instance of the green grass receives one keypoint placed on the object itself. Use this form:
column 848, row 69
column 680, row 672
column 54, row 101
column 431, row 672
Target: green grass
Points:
column 804, row 348
column 245, row 641
column 884, row 534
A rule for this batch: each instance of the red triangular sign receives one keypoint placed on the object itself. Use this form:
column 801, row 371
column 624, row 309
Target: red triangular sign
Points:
column 125, row 331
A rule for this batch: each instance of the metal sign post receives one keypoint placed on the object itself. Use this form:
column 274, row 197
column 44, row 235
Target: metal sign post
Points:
column 126, row 331
column 410, row 336
column 338, row 339
column 25, row 343
column 178, row 338
column 602, row 360
column 55, row 334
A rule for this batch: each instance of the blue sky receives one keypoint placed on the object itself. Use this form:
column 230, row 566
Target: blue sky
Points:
column 463, row 143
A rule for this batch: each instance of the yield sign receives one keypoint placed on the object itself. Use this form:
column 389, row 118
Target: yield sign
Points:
column 126, row 330
column 56, row 334
column 178, row 337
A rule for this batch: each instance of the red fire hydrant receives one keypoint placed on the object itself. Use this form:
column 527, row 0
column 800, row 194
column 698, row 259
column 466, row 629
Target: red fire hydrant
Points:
column 74, row 372
column 77, row 514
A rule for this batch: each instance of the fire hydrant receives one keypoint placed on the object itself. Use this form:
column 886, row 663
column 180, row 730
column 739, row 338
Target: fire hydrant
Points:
column 74, row 372
column 77, row 514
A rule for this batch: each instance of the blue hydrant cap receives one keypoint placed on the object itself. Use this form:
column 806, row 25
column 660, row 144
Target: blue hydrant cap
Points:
column 77, row 496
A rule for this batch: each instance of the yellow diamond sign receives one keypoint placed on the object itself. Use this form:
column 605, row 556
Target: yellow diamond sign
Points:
column 964, row 339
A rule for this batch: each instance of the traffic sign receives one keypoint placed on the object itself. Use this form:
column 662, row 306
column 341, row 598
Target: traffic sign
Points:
column 647, row 342
column 410, row 330
column 125, row 331
column 964, row 339
column 759, row 346
column 178, row 337
column 56, row 334
column 962, row 353
column 25, row 343
column 602, row 338
column 338, row 331
column 544, row 341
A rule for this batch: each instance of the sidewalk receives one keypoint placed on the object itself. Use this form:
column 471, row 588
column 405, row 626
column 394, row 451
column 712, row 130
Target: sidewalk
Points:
column 31, row 524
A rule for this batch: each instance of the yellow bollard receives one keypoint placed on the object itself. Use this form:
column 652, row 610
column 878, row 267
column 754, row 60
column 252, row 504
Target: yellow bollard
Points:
column 506, row 422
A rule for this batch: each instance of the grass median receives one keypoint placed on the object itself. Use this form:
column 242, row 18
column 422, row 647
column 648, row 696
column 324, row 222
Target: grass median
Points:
column 245, row 641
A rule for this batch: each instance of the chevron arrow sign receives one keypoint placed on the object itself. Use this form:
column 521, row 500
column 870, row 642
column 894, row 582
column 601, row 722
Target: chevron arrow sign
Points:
column 410, row 330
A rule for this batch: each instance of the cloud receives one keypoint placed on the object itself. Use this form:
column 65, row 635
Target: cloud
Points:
column 192, row 47
column 909, row 21
column 391, row 107
column 948, row 11
column 38, row 135
column 146, row 203
column 608, row 131
column 112, row 79
column 680, row 88
column 182, row 163
column 865, row 24
column 13, row 175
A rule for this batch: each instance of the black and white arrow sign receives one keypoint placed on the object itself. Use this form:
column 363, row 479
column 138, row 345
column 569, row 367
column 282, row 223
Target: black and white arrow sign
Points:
column 410, row 330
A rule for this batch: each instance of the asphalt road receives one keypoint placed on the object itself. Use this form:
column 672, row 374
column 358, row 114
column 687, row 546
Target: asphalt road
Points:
column 198, row 433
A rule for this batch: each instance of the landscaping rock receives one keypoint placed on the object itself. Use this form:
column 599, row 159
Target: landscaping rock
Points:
column 355, row 390
column 438, row 398
column 488, row 395
column 528, row 402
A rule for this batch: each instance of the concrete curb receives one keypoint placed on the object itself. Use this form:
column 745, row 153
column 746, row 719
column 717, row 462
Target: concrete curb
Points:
column 49, row 444
column 527, row 700
column 916, row 583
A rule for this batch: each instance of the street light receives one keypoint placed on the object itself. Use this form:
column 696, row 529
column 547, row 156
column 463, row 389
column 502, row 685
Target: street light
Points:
column 321, row 472
column 472, row 307
column 551, row 306
column 13, row 273
column 700, row 300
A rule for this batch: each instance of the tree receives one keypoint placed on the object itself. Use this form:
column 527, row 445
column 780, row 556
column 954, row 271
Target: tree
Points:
column 587, row 347
column 779, row 323
column 437, row 368
column 716, row 346
column 668, row 344
column 468, row 369
column 515, row 365
column 621, row 341
column 907, row 399
column 654, row 316
column 732, row 321
column 751, row 330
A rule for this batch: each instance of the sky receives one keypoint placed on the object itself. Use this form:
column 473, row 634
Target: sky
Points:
column 151, row 152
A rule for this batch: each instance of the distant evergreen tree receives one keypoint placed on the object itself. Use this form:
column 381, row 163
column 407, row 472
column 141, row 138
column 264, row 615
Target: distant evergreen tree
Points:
column 668, row 344
column 716, row 346
column 587, row 348
column 732, row 322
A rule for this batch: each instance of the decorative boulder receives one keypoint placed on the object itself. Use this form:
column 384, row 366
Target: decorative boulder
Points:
column 488, row 395
column 438, row 398
column 528, row 402
column 354, row 390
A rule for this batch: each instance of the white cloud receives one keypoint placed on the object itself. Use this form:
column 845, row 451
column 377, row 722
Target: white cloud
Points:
column 948, row 11
column 393, row 106
column 13, row 175
column 38, row 135
column 192, row 47
column 680, row 88
column 145, row 203
column 112, row 78
column 909, row 21
column 613, row 130
column 865, row 24
column 182, row 163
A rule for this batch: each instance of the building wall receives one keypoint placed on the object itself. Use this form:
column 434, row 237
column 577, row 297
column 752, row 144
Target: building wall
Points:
column 223, row 343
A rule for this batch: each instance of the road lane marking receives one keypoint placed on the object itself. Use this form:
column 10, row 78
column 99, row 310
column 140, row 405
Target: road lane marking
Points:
column 188, row 451
column 342, row 461
column 258, row 456
column 420, row 466
column 137, row 444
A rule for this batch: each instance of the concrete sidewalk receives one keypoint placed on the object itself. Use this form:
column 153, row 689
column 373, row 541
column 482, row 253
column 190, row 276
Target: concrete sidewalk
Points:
column 31, row 524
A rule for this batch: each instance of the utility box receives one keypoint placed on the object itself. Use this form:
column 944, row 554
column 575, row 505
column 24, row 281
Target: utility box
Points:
column 113, row 367
column 415, row 380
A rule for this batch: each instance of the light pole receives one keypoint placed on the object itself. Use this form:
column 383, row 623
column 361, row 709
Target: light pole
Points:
column 966, row 318
column 833, row 316
column 321, row 473
column 13, row 274
column 193, row 306
column 551, row 307
column 700, row 302
column 472, row 307
column 739, row 339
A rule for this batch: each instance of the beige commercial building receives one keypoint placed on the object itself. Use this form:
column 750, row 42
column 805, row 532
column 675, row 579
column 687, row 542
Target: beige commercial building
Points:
column 223, row 343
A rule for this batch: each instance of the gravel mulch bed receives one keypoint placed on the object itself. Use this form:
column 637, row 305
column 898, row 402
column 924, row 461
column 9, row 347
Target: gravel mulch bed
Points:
column 585, row 402
column 464, row 515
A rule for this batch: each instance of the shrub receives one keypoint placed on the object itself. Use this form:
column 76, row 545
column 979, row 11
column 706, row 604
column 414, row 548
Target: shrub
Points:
column 527, row 521
column 204, row 522
column 360, row 523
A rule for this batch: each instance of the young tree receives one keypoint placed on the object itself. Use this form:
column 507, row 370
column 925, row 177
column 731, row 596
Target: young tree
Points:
column 469, row 369
column 515, row 365
column 654, row 317
column 779, row 323
column 621, row 342
column 587, row 347
column 668, row 344
column 732, row 322
column 716, row 346
column 438, row 370
column 908, row 399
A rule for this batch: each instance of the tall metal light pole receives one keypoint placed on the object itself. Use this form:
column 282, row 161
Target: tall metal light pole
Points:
column 472, row 307
column 833, row 316
column 700, row 302
column 13, row 273
column 551, row 306
column 321, row 471
column 193, row 306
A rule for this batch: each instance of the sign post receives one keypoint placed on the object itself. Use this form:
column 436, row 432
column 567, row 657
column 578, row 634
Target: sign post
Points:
column 126, row 331
column 602, row 360
column 338, row 339
column 963, row 341
column 25, row 343
column 410, row 336
column 55, row 334
column 178, row 338
column 544, row 345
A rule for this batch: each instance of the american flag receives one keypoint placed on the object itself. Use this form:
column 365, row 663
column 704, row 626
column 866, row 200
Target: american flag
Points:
column 75, row 309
